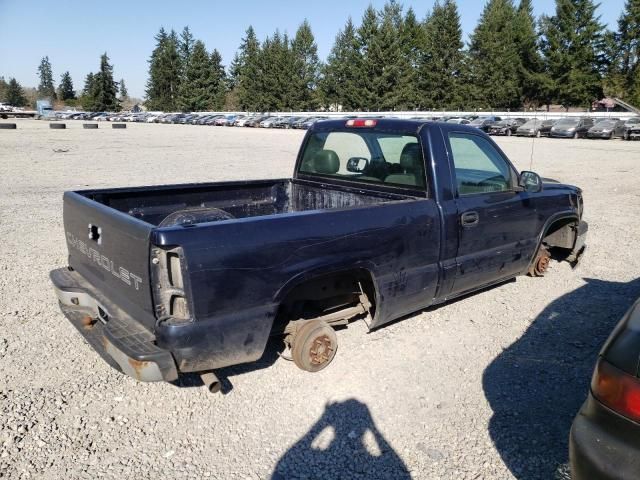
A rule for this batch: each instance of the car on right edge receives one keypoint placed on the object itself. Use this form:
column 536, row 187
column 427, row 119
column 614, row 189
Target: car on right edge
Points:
column 604, row 443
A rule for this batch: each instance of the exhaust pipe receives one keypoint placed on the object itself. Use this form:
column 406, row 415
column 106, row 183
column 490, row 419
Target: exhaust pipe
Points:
column 211, row 381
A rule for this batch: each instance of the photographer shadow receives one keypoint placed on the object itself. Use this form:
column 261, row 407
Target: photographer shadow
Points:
column 537, row 385
column 343, row 444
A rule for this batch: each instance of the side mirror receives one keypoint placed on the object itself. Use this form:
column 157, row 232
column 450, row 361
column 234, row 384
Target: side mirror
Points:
column 530, row 182
column 357, row 164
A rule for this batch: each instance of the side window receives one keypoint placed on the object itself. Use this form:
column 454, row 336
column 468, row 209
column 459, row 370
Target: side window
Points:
column 478, row 165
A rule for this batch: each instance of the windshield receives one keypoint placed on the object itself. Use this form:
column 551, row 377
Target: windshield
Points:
column 633, row 121
column 478, row 121
column 568, row 122
column 365, row 156
column 607, row 123
column 531, row 124
column 503, row 123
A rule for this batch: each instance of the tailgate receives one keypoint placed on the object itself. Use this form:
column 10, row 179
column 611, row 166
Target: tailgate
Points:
column 110, row 249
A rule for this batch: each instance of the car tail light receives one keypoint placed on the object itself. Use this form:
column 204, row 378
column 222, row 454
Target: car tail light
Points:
column 361, row 122
column 169, row 293
column 617, row 390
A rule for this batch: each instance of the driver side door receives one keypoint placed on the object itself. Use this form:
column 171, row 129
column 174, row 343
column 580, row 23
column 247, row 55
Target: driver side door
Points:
column 497, row 222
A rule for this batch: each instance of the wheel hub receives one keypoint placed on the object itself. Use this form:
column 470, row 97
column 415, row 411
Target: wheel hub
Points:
column 542, row 264
column 320, row 350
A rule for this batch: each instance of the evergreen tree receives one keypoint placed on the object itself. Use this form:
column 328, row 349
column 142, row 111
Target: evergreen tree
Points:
column 531, row 70
column 105, row 89
column 494, row 55
column 339, row 80
column 197, row 87
column 218, row 79
column 66, row 87
column 124, row 93
column 629, row 48
column 368, row 67
column 45, row 72
column 3, row 89
column 305, row 68
column 246, row 72
column 273, row 83
column 186, row 46
column 572, row 43
column 389, row 59
column 441, row 63
column 412, row 42
column 15, row 94
column 88, row 93
column 164, row 73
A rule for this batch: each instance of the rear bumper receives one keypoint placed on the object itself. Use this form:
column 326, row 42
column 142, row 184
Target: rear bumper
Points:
column 121, row 341
column 603, row 445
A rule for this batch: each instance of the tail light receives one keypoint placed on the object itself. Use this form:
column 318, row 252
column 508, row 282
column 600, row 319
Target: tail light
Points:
column 167, row 272
column 617, row 390
column 361, row 122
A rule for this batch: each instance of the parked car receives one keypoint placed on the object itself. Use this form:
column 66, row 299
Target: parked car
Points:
column 604, row 443
column 346, row 236
column 298, row 123
column 255, row 121
column 571, row 127
column 605, row 129
column 211, row 121
column 631, row 124
column 286, row 122
column 507, row 127
column 535, row 128
column 270, row 122
column 310, row 121
column 633, row 132
column 483, row 123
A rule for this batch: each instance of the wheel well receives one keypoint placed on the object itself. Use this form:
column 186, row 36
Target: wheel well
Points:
column 561, row 234
column 326, row 294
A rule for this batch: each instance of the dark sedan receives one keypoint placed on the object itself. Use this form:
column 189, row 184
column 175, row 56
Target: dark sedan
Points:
column 631, row 124
column 605, row 129
column 507, row 127
column 605, row 436
column 571, row 127
column 484, row 123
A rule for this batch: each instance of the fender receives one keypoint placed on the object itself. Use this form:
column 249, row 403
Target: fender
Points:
column 566, row 214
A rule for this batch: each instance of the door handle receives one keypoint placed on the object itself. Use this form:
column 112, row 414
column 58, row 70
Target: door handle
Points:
column 469, row 219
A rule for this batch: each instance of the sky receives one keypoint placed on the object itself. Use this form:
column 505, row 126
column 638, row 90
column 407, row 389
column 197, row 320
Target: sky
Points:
column 75, row 33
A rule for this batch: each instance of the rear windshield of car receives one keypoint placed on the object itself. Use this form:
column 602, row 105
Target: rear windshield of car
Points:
column 531, row 124
column 567, row 122
column 365, row 156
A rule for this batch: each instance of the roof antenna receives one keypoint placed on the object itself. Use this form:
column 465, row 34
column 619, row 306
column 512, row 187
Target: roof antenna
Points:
column 533, row 138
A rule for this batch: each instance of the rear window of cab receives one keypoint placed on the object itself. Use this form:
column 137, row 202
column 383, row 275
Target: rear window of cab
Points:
column 365, row 156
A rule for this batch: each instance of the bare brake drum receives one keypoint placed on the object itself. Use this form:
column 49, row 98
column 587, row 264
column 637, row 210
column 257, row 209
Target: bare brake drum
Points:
column 313, row 345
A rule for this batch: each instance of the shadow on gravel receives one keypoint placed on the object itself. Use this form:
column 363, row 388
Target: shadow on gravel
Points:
column 343, row 444
column 536, row 386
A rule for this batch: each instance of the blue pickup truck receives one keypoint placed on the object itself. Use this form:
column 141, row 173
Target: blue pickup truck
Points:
column 381, row 218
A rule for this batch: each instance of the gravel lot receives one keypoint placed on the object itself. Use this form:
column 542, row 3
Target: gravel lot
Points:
column 484, row 387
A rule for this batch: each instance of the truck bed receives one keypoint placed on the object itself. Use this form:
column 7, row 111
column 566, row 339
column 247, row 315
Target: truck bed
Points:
column 166, row 206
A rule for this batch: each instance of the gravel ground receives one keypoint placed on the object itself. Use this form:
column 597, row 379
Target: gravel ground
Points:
column 483, row 387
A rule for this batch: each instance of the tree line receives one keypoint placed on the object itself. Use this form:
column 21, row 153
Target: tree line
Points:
column 100, row 92
column 391, row 60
